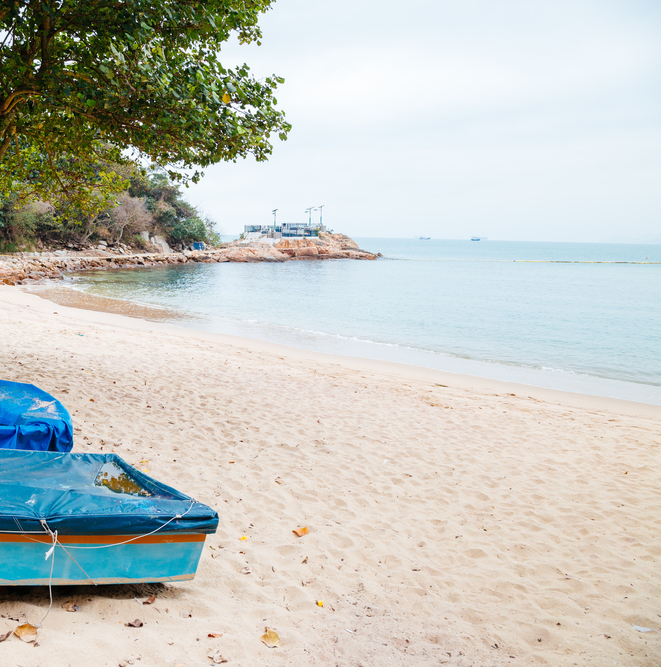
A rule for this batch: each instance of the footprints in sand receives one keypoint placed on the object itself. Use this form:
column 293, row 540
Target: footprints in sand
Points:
column 487, row 530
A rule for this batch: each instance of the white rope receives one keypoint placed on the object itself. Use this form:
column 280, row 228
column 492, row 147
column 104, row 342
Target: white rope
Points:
column 138, row 537
column 52, row 551
column 49, row 553
column 56, row 542
column 48, row 531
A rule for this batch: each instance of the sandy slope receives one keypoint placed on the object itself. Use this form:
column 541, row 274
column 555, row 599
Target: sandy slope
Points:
column 447, row 525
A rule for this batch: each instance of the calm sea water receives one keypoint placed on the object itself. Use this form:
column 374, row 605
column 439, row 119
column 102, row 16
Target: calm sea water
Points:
column 545, row 314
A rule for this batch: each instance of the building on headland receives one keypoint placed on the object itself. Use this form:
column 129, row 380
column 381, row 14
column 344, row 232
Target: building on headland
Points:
column 282, row 230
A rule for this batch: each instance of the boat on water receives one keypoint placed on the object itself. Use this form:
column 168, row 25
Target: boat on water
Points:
column 425, row 238
column 476, row 238
column 69, row 518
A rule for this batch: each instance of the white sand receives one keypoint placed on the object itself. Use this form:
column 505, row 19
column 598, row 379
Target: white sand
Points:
column 454, row 525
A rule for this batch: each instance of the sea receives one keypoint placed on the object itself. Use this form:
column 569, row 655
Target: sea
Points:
column 579, row 317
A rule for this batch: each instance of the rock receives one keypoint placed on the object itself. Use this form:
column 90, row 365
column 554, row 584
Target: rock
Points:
column 161, row 243
column 306, row 252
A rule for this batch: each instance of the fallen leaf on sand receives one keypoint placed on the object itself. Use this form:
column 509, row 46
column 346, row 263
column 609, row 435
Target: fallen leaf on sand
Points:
column 151, row 600
column 270, row 638
column 70, row 606
column 215, row 635
column 5, row 636
column 216, row 657
column 299, row 532
column 243, row 539
column 26, row 633
column 134, row 624
column 320, row 603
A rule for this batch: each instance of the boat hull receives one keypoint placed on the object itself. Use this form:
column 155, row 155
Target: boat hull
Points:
column 156, row 558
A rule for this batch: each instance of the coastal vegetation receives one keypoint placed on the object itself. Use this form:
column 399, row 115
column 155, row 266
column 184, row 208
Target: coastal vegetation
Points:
column 151, row 202
column 91, row 91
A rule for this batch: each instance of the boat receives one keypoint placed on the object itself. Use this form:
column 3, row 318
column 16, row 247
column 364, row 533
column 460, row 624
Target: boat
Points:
column 32, row 419
column 425, row 238
column 475, row 238
column 71, row 518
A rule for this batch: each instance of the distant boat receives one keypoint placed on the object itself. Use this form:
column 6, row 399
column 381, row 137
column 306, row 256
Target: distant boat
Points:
column 476, row 238
column 425, row 238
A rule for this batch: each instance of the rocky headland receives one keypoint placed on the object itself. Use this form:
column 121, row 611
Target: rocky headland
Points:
column 24, row 267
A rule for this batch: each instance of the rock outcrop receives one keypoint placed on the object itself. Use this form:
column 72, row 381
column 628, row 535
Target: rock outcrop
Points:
column 31, row 267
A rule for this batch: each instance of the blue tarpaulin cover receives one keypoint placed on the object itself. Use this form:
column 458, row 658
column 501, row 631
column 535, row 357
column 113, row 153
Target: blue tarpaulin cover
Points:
column 32, row 419
column 64, row 490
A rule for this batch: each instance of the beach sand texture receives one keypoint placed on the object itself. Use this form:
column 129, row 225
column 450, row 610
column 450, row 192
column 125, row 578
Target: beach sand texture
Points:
column 446, row 525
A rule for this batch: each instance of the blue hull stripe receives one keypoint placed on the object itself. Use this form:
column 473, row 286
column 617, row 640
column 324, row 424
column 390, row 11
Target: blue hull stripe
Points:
column 23, row 564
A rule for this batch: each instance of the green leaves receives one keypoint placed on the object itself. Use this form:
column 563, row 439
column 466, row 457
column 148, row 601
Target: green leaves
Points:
column 141, row 74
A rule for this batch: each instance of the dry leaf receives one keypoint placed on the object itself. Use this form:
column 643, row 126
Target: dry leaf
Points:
column 26, row 633
column 70, row 606
column 151, row 600
column 5, row 636
column 320, row 603
column 134, row 624
column 299, row 532
column 243, row 539
column 215, row 635
column 216, row 657
column 270, row 638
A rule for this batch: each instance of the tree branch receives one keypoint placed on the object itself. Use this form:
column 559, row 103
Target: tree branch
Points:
column 57, row 176
column 7, row 103
column 18, row 150
column 5, row 145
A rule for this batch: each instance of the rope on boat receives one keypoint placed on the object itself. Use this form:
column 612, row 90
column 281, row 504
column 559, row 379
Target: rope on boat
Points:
column 50, row 552
column 137, row 537
column 56, row 542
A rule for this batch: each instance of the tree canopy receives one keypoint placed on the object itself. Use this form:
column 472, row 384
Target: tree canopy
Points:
column 83, row 80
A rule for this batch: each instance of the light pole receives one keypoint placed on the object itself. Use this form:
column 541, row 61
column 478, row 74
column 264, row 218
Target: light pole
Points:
column 309, row 212
column 320, row 213
column 274, row 211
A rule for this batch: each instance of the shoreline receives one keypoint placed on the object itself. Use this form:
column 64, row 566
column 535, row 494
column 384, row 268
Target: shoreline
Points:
column 448, row 522
column 153, row 317
column 25, row 268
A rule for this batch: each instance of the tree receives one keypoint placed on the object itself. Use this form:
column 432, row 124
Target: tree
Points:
column 130, row 215
column 173, row 217
column 81, row 78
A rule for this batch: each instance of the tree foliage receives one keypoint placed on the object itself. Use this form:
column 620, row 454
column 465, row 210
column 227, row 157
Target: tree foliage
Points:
column 152, row 203
column 82, row 80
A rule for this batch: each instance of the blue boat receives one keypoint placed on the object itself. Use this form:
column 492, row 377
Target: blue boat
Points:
column 92, row 518
column 32, row 419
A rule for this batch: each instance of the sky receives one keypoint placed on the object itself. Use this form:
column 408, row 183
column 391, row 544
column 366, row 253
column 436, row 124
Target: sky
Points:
column 528, row 120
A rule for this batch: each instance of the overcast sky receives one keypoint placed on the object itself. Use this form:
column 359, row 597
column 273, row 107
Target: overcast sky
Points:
column 513, row 119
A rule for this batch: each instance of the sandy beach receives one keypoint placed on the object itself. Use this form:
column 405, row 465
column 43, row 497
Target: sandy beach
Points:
column 451, row 520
